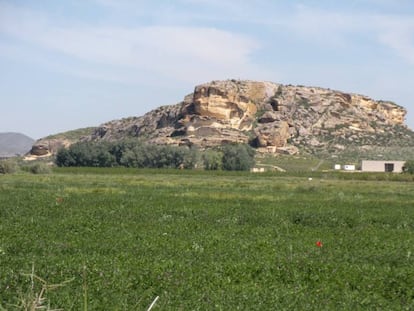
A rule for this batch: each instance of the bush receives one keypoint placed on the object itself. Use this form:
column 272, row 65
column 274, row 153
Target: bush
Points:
column 40, row 168
column 64, row 158
column 239, row 157
column 409, row 167
column 8, row 167
column 212, row 160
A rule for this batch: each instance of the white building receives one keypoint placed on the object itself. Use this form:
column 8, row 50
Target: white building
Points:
column 349, row 167
column 257, row 170
column 382, row 166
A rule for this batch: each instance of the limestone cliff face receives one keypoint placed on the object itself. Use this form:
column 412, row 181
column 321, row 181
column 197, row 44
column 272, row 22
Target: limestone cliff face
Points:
column 272, row 117
column 233, row 108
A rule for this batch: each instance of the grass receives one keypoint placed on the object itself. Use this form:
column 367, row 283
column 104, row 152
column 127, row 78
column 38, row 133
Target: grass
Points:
column 34, row 298
column 294, row 164
column 117, row 239
column 73, row 134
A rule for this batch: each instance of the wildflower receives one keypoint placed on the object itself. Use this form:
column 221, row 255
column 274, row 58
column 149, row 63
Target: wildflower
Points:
column 319, row 244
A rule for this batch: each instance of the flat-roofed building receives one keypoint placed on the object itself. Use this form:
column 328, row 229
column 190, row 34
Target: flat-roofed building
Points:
column 382, row 166
column 349, row 167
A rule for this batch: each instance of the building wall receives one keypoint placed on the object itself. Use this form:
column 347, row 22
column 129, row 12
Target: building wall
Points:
column 379, row 166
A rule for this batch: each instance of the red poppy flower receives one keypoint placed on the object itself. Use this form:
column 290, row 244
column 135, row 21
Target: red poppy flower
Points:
column 319, row 243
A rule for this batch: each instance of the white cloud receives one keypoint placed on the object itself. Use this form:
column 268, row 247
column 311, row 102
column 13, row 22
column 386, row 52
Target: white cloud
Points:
column 178, row 52
column 340, row 29
column 398, row 34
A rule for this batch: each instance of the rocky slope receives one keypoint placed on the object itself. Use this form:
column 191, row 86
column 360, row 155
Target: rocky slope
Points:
column 51, row 144
column 272, row 117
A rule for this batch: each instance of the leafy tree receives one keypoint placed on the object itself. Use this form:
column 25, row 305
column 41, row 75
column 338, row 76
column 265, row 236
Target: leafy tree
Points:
column 100, row 155
column 212, row 160
column 86, row 154
column 192, row 155
column 238, row 157
column 119, row 149
column 409, row 167
column 132, row 157
column 80, row 152
column 126, row 153
column 172, row 157
column 64, row 158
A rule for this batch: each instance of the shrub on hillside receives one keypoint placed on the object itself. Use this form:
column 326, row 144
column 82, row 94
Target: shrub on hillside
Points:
column 8, row 166
column 40, row 168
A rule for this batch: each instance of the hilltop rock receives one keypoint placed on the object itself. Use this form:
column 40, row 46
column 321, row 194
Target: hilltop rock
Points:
column 272, row 117
column 267, row 115
column 47, row 147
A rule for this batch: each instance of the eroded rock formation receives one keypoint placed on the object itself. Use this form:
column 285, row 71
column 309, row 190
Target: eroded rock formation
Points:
column 272, row 117
column 47, row 147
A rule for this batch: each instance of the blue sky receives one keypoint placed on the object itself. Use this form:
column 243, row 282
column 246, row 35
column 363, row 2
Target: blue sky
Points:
column 77, row 63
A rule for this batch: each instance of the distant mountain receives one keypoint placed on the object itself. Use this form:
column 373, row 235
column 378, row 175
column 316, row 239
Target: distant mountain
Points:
column 273, row 118
column 12, row 144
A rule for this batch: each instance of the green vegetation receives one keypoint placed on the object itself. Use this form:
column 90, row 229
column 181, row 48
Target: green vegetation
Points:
column 73, row 134
column 39, row 168
column 138, row 154
column 212, row 160
column 115, row 239
column 305, row 102
column 126, row 153
column 17, row 165
column 8, row 166
column 238, row 157
column 409, row 167
column 294, row 164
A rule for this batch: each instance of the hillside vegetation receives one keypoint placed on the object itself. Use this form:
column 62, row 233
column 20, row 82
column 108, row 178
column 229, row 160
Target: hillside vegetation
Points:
column 75, row 135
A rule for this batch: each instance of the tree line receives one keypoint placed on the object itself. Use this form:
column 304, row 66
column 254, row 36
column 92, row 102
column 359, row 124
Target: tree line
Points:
column 139, row 154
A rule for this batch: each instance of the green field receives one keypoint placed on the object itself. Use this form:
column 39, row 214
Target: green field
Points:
column 114, row 239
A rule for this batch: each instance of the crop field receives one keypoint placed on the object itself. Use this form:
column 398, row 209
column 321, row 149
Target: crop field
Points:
column 115, row 239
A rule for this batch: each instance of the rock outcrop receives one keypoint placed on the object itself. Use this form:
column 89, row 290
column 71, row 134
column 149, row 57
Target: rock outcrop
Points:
column 272, row 117
column 47, row 147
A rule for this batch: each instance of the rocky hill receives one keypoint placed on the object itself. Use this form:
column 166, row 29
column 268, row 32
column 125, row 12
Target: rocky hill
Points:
column 273, row 118
column 12, row 144
column 51, row 144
